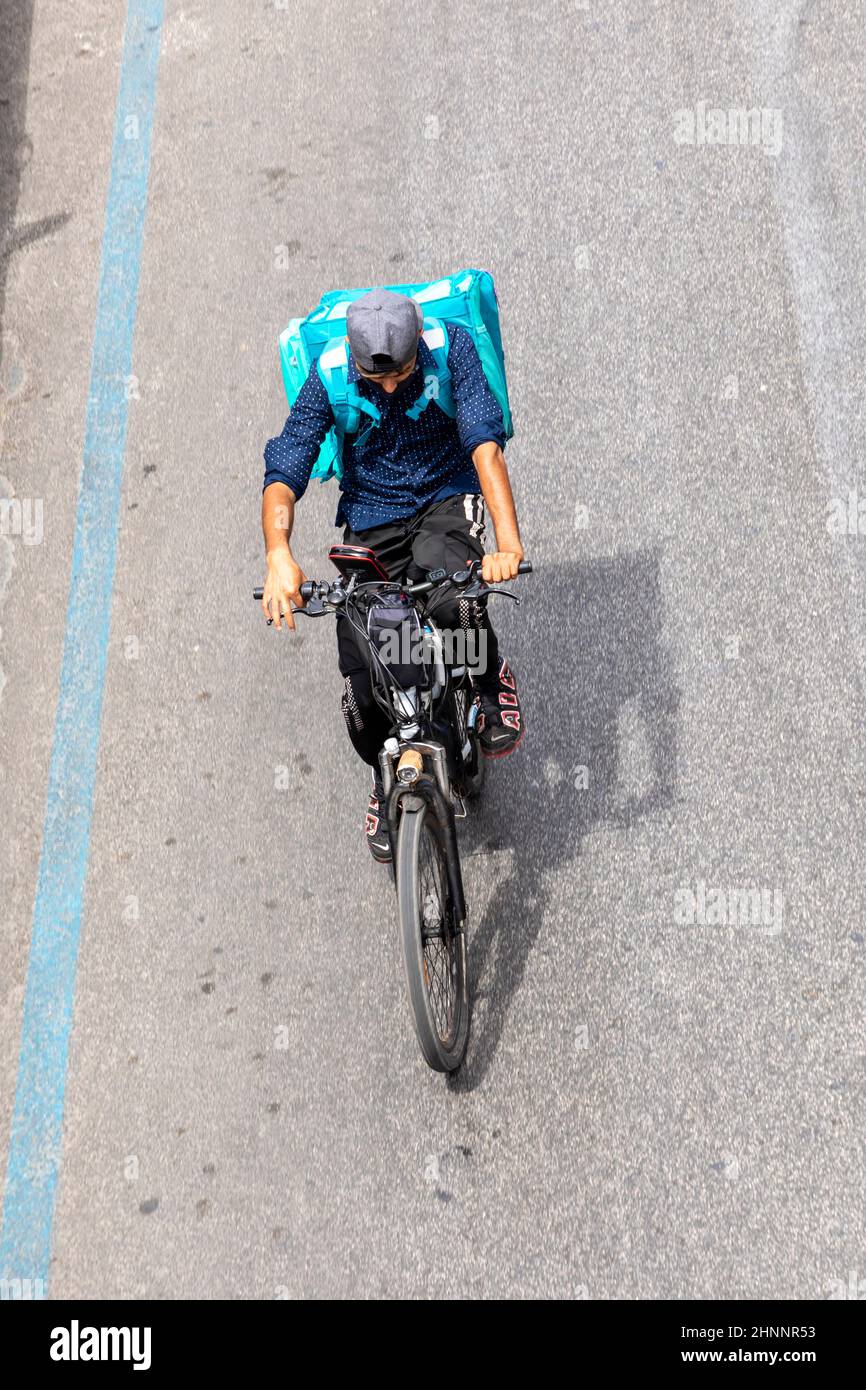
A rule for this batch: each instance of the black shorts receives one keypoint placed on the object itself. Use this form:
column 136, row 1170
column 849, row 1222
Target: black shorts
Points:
column 443, row 535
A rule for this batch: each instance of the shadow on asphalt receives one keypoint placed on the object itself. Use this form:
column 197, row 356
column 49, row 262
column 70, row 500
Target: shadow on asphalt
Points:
column 591, row 660
column 15, row 25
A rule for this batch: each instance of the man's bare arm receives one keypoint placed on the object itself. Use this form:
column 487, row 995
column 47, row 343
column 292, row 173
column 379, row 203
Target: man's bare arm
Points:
column 285, row 576
column 492, row 472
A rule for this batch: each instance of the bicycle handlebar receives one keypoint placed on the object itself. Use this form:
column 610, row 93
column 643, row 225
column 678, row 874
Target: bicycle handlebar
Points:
column 311, row 588
column 459, row 578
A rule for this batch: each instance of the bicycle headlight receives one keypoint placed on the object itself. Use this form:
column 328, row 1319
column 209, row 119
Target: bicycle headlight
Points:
column 409, row 767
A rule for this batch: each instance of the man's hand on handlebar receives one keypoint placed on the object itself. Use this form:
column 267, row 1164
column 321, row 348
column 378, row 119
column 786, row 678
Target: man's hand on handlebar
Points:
column 286, row 584
column 500, row 565
column 282, row 588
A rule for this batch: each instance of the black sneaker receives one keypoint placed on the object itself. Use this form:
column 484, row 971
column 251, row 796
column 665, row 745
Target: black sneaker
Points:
column 500, row 721
column 376, row 826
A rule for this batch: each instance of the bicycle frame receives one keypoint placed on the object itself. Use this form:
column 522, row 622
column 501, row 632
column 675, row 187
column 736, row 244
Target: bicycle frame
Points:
column 415, row 713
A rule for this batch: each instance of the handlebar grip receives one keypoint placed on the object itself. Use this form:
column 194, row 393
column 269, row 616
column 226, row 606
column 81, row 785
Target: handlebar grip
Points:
column 525, row 567
column 307, row 590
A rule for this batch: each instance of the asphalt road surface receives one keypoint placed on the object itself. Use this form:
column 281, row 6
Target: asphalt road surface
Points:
column 664, row 1091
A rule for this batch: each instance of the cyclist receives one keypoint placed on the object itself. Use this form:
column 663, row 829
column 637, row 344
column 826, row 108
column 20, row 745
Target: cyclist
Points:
column 413, row 491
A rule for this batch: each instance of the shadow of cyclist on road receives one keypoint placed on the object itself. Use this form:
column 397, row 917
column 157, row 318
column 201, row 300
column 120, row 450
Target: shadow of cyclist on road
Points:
column 15, row 24
column 592, row 662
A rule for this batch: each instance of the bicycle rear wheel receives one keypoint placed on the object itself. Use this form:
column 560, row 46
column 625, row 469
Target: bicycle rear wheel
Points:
column 434, row 944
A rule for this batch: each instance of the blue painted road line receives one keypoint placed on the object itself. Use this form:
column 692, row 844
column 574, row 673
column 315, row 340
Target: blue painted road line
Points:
column 37, row 1120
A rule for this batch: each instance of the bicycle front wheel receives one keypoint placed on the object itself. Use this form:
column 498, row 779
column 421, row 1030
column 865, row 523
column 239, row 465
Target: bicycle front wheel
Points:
column 434, row 943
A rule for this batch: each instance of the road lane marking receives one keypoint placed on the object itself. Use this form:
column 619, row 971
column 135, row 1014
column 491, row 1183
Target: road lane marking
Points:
column 37, row 1120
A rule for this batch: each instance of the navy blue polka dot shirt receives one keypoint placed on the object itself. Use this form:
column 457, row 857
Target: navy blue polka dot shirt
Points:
column 403, row 464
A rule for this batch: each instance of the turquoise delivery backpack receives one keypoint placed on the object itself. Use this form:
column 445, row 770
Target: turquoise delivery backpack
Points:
column 467, row 297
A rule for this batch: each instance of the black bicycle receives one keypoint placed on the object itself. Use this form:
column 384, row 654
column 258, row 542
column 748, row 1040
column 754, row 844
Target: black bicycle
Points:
column 431, row 765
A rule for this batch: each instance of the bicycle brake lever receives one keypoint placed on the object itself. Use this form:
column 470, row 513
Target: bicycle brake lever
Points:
column 314, row 608
column 506, row 593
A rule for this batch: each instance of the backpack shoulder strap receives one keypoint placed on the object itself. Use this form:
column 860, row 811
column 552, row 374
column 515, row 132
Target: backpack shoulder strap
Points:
column 346, row 400
column 437, row 385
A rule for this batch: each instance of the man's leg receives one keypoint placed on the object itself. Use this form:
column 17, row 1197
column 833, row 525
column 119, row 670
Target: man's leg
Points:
column 366, row 721
column 449, row 535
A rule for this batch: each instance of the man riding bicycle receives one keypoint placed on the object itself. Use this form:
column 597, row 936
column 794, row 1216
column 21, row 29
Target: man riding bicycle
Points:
column 413, row 490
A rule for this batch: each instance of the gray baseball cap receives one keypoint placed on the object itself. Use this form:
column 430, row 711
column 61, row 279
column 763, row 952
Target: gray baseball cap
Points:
column 383, row 330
